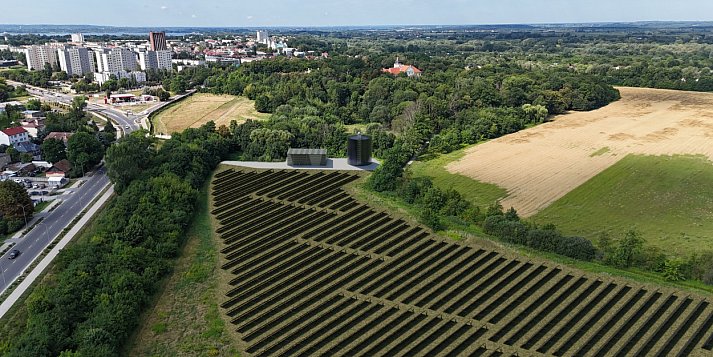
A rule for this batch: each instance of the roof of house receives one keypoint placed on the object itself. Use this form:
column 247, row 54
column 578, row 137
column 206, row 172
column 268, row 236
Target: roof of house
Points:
column 16, row 130
column 59, row 135
column 26, row 147
column 60, row 166
column 401, row 69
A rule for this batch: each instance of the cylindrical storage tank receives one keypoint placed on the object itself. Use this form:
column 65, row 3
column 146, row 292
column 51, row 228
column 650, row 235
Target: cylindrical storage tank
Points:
column 359, row 150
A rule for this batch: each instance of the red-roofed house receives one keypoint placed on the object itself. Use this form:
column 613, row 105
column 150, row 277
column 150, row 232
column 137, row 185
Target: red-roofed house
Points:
column 399, row 68
column 13, row 135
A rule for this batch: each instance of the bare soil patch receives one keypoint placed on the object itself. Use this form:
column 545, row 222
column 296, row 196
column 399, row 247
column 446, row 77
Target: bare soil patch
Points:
column 540, row 165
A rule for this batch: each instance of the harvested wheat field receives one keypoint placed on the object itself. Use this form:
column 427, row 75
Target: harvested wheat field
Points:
column 540, row 165
column 201, row 108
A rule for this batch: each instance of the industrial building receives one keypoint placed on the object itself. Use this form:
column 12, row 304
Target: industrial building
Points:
column 306, row 157
column 359, row 150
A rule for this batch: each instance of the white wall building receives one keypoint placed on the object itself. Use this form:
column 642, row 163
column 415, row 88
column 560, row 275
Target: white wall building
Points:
column 77, row 38
column 75, row 61
column 116, row 59
column 13, row 135
column 262, row 37
column 155, row 60
column 101, row 77
column 38, row 56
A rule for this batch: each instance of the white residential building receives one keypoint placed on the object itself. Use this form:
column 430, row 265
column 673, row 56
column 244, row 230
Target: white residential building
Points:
column 155, row 60
column 262, row 37
column 75, row 61
column 77, row 38
column 116, row 59
column 38, row 56
column 101, row 77
column 11, row 136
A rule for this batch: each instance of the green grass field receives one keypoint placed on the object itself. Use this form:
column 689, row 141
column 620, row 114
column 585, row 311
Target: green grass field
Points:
column 669, row 199
column 479, row 193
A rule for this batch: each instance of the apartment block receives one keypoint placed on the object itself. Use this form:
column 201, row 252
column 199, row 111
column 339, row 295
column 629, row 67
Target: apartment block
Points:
column 38, row 56
column 152, row 60
column 75, row 60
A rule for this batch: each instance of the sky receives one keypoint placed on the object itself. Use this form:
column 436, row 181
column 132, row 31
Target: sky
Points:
column 255, row 13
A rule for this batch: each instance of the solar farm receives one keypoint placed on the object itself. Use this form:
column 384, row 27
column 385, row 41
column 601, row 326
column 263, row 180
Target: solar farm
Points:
column 313, row 271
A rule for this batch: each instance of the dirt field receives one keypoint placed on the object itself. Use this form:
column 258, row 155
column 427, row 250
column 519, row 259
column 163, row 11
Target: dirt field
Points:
column 539, row 165
column 200, row 108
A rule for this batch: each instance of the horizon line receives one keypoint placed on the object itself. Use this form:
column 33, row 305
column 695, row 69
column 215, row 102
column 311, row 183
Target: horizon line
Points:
column 371, row 25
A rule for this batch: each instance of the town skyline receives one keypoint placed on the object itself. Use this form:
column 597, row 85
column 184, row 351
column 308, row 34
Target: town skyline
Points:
column 321, row 13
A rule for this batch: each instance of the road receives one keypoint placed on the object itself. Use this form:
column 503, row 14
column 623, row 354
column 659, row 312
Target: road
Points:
column 127, row 123
column 34, row 242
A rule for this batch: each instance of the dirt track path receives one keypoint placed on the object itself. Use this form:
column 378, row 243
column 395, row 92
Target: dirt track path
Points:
column 540, row 165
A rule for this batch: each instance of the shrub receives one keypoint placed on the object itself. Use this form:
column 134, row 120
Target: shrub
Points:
column 15, row 225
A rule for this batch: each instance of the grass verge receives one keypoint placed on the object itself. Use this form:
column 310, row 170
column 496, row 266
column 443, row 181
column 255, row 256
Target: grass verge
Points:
column 184, row 319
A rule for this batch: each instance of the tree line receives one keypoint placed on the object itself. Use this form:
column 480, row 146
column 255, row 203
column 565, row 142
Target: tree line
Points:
column 99, row 286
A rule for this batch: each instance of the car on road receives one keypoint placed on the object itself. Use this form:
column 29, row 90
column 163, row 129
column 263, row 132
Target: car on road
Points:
column 127, row 127
column 14, row 254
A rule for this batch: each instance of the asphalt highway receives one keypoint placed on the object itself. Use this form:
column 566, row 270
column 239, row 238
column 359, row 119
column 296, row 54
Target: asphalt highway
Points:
column 127, row 123
column 34, row 242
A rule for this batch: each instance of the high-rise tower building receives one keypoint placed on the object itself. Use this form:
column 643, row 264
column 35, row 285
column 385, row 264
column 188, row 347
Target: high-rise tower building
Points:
column 38, row 56
column 158, row 41
column 75, row 61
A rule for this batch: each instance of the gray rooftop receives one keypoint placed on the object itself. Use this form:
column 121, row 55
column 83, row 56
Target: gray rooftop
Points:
column 296, row 151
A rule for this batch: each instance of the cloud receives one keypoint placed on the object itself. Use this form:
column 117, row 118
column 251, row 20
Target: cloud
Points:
column 164, row 7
